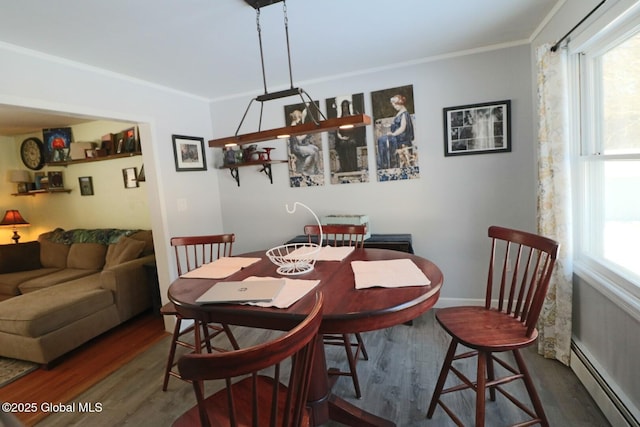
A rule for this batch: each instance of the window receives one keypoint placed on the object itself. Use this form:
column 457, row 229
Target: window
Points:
column 608, row 173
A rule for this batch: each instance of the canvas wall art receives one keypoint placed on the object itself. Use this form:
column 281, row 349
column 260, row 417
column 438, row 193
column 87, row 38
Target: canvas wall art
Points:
column 348, row 154
column 306, row 168
column 394, row 134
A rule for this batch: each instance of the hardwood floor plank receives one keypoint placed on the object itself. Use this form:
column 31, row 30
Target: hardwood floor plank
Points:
column 77, row 371
column 397, row 383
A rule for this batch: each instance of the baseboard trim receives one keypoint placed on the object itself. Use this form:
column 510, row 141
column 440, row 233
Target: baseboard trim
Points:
column 609, row 402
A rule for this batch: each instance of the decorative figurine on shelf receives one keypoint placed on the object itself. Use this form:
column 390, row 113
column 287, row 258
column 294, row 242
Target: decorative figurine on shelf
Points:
column 229, row 156
column 267, row 151
column 247, row 152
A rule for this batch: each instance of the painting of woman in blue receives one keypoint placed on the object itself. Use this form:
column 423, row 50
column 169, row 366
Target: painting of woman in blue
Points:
column 394, row 132
column 399, row 135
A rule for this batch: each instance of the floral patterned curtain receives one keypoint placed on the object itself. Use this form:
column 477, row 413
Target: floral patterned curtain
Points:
column 554, row 198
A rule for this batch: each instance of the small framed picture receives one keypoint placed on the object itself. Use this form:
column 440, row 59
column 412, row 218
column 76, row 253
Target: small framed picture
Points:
column 189, row 153
column 86, row 185
column 477, row 128
column 130, row 176
column 55, row 180
column 89, row 153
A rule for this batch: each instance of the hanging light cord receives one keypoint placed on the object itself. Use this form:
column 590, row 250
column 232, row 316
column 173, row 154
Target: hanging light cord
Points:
column 286, row 32
column 311, row 106
column 259, row 29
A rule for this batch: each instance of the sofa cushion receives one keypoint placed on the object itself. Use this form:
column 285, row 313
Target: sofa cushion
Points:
column 9, row 282
column 55, row 278
column 19, row 257
column 86, row 256
column 53, row 255
column 46, row 310
column 126, row 249
column 147, row 237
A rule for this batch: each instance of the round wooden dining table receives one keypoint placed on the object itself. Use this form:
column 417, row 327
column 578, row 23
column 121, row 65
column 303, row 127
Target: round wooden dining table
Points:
column 346, row 310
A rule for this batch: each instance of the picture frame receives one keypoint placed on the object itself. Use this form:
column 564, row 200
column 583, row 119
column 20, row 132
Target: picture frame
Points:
column 89, row 153
column 188, row 152
column 477, row 128
column 57, row 142
column 130, row 177
column 56, row 180
column 86, row 185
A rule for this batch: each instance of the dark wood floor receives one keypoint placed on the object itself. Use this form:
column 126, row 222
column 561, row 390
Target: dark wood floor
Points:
column 397, row 383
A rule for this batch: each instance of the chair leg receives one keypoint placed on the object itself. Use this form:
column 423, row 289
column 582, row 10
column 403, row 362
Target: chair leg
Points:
column 444, row 372
column 481, row 388
column 232, row 339
column 361, row 346
column 533, row 394
column 352, row 364
column 172, row 353
column 205, row 334
column 490, row 377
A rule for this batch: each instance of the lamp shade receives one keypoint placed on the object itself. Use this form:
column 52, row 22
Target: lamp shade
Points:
column 19, row 176
column 13, row 218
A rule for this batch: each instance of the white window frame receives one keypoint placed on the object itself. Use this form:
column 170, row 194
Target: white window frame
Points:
column 613, row 281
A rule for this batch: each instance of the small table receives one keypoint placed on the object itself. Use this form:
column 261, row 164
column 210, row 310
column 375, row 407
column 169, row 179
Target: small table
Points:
column 396, row 242
column 345, row 310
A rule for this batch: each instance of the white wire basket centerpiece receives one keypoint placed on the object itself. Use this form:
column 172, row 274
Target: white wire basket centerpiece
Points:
column 296, row 258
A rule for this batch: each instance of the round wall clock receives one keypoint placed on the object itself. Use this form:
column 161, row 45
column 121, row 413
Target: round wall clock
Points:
column 32, row 153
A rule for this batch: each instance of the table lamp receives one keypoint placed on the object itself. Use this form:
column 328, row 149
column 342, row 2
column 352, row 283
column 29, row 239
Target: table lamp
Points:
column 12, row 218
column 20, row 177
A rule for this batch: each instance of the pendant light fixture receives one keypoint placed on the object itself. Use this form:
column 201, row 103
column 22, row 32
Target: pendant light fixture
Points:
column 319, row 123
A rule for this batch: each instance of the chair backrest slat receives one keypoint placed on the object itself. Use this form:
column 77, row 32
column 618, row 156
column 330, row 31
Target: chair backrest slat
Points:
column 193, row 251
column 337, row 234
column 523, row 279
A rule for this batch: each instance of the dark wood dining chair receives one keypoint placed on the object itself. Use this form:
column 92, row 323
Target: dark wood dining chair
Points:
column 520, row 269
column 343, row 235
column 275, row 384
column 191, row 252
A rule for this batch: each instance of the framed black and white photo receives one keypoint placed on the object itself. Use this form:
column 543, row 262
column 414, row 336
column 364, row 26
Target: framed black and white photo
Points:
column 86, row 185
column 130, row 177
column 189, row 153
column 477, row 128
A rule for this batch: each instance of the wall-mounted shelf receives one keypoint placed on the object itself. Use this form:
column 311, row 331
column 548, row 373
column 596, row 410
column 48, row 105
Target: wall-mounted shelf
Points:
column 95, row 159
column 50, row 191
column 266, row 168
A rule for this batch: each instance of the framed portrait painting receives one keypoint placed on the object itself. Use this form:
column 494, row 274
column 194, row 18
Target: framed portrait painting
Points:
column 189, row 153
column 477, row 128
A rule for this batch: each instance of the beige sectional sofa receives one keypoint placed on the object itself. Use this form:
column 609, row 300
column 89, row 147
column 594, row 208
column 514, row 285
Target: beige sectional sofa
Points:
column 68, row 287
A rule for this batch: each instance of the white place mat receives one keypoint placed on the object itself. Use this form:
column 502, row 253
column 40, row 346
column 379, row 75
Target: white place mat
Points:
column 292, row 291
column 393, row 273
column 220, row 268
column 326, row 253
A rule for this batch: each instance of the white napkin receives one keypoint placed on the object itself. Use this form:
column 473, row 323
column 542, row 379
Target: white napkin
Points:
column 292, row 291
column 329, row 253
column 220, row 268
column 393, row 273
column 326, row 253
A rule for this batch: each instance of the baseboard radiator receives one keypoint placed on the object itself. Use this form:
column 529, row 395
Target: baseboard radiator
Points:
column 609, row 402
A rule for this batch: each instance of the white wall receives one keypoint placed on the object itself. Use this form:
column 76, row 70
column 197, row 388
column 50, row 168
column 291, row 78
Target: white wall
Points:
column 180, row 202
column 447, row 210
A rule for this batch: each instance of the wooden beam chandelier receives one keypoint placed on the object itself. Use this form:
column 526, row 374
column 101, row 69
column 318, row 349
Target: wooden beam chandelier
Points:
column 319, row 122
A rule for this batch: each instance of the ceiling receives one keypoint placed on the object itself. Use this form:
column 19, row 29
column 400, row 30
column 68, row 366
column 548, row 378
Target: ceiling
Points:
column 209, row 48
